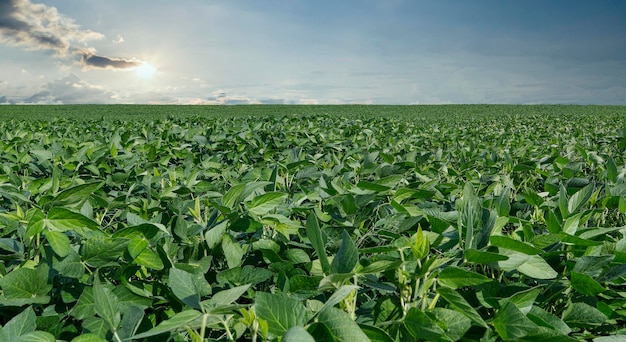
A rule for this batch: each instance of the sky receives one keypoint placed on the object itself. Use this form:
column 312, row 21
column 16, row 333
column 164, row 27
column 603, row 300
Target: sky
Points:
column 313, row 52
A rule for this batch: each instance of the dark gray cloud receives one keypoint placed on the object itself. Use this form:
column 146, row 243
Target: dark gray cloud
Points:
column 40, row 27
column 91, row 60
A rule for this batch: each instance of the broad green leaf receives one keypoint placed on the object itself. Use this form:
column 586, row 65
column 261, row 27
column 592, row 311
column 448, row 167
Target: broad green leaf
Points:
column 149, row 259
column 514, row 245
column 37, row 336
column 233, row 195
column 76, row 194
column 175, row 323
column 297, row 334
column 456, row 324
column 524, row 300
column 421, row 326
column 183, row 286
column 455, row 277
column 106, row 303
column 379, row 266
column 461, row 305
column 59, row 242
column 580, row 198
column 375, row 334
column 226, row 297
column 339, row 295
column 545, row 319
column 36, row 221
column 511, row 324
column 340, row 326
column 266, row 202
column 585, row 284
column 95, row 325
column 26, row 283
column 592, row 265
column 90, row 337
column 582, row 315
column 103, row 251
column 280, row 312
column 85, row 306
column 19, row 325
column 314, row 233
column 63, row 220
column 537, row 268
column 481, row 257
column 419, row 244
column 347, row 256
column 611, row 170
column 470, row 213
column 233, row 251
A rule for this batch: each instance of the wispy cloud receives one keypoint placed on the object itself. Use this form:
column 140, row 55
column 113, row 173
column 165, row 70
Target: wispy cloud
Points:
column 40, row 27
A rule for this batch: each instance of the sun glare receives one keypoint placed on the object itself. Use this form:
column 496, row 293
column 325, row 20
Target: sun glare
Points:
column 145, row 70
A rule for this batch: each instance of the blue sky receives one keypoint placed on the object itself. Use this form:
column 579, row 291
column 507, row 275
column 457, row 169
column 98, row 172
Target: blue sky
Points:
column 297, row 51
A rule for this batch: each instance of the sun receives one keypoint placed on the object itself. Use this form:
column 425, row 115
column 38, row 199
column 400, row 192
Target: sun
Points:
column 145, row 71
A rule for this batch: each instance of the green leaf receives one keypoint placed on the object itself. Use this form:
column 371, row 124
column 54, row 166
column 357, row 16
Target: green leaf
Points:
column 455, row 277
column 85, row 307
column 592, row 265
column 266, row 202
column 183, row 286
column 177, row 321
column 280, row 312
column 375, row 334
column 76, row 194
column 226, row 297
column 19, row 325
column 511, row 324
column 233, row 195
column 545, row 319
column 421, row 326
column 524, row 300
column 26, row 283
column 461, row 305
column 339, row 295
column 59, row 242
column 106, row 303
column 103, row 251
column 537, row 268
column 149, row 259
column 456, row 324
column 470, row 213
column 232, row 251
column 347, row 256
column 481, row 257
column 611, row 170
column 90, row 337
column 585, row 284
column 36, row 221
column 582, row 315
column 580, row 198
column 314, row 233
column 63, row 220
column 340, row 326
column 37, row 336
column 297, row 334
column 514, row 245
column 419, row 245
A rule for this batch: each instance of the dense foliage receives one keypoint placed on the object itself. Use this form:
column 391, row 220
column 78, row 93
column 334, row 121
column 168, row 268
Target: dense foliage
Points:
column 475, row 223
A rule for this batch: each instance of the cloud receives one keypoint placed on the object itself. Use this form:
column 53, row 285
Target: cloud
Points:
column 90, row 60
column 118, row 40
column 69, row 90
column 40, row 27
